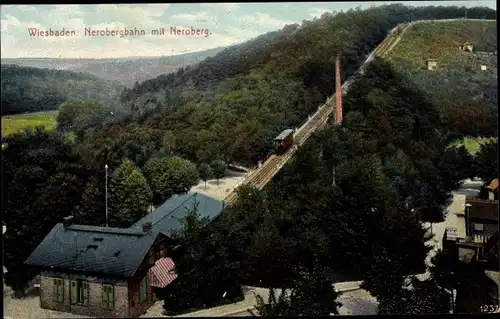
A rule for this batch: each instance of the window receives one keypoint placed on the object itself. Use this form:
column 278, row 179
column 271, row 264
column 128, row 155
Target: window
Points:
column 478, row 227
column 143, row 289
column 80, row 292
column 108, row 297
column 58, row 295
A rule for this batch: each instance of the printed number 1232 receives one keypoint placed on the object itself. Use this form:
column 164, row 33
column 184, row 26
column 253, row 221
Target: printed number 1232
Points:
column 489, row 308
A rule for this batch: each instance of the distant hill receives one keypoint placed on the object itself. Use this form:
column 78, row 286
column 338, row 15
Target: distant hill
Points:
column 126, row 70
column 27, row 89
column 466, row 94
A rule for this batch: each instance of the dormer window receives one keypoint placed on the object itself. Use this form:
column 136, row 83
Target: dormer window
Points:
column 478, row 227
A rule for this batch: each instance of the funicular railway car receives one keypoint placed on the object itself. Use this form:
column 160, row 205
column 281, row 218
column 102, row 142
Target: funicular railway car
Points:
column 284, row 141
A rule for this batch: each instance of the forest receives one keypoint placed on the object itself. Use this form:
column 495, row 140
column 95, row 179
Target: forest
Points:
column 233, row 104
column 393, row 169
column 347, row 206
column 27, row 90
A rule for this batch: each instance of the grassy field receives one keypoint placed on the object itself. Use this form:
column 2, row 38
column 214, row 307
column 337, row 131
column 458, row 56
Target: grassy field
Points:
column 473, row 144
column 440, row 41
column 458, row 72
column 15, row 123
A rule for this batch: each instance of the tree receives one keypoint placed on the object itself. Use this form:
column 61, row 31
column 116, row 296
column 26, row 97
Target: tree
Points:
column 274, row 307
column 181, row 174
column 130, row 195
column 206, row 273
column 77, row 115
column 42, row 182
column 219, row 168
column 169, row 141
column 400, row 294
column 205, row 172
column 170, row 175
column 93, row 200
column 312, row 295
column 155, row 171
column 486, row 162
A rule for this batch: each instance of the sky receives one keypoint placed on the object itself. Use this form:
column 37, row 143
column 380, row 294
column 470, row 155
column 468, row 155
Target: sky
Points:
column 227, row 23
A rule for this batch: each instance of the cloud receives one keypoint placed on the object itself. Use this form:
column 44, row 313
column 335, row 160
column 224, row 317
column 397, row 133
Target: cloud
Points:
column 226, row 29
column 316, row 12
column 264, row 20
column 199, row 17
column 9, row 24
column 125, row 11
column 25, row 8
column 224, row 6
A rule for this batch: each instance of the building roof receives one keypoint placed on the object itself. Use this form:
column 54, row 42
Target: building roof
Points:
column 165, row 218
column 493, row 185
column 283, row 134
column 82, row 248
column 482, row 208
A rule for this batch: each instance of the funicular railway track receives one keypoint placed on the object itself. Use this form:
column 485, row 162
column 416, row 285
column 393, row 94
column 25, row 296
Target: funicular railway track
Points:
column 270, row 167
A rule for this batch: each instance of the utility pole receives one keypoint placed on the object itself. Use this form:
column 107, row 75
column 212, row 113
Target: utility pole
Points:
column 411, row 16
column 452, row 294
column 333, row 181
column 106, row 167
column 465, row 13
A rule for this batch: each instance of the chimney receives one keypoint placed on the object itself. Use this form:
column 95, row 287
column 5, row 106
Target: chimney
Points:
column 146, row 227
column 67, row 221
column 338, row 92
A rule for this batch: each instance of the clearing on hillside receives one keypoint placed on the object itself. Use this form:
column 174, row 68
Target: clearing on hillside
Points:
column 15, row 123
column 463, row 82
column 472, row 144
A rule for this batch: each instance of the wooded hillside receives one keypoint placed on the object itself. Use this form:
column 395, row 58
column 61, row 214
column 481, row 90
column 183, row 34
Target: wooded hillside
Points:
column 235, row 103
column 466, row 95
column 26, row 89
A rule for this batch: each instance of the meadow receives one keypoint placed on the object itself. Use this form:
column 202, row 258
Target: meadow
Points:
column 15, row 123
column 472, row 144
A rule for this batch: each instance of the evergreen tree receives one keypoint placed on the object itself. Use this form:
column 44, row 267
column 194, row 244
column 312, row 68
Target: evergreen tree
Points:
column 219, row 169
column 205, row 172
column 312, row 295
column 486, row 162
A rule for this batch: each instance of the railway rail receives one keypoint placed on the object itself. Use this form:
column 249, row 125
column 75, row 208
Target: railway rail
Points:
column 271, row 166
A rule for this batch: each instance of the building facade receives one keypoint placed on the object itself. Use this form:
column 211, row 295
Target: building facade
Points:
column 479, row 234
column 99, row 271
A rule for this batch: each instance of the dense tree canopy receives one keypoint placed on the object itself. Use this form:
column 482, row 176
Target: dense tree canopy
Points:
column 312, row 295
column 130, row 195
column 486, row 162
column 235, row 103
column 43, row 181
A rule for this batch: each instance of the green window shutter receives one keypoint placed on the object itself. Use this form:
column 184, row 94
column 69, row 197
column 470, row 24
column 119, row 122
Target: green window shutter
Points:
column 74, row 295
column 54, row 294
column 85, row 295
column 60, row 290
column 104, row 296
column 143, row 290
column 112, row 303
